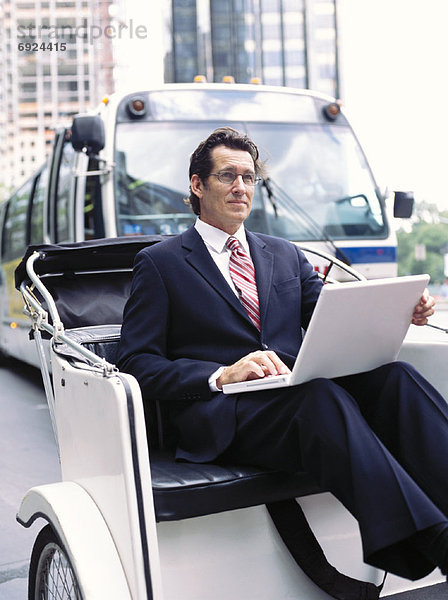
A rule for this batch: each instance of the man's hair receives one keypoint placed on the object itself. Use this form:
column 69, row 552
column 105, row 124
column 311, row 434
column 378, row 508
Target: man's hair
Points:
column 201, row 162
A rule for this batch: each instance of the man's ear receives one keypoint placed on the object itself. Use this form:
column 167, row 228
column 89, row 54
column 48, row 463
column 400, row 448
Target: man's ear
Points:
column 196, row 185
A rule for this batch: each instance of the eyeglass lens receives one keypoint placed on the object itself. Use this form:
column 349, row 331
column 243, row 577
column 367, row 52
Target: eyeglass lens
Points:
column 230, row 176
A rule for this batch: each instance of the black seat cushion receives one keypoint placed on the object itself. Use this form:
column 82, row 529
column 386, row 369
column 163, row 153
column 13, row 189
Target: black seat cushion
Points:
column 182, row 489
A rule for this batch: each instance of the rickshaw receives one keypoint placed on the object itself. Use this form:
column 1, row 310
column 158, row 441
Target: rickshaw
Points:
column 128, row 522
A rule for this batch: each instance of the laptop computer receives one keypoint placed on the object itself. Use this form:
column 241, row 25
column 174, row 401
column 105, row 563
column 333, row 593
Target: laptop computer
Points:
column 355, row 327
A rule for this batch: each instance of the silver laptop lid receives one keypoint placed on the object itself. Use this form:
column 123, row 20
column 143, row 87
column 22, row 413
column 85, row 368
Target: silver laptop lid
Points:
column 357, row 326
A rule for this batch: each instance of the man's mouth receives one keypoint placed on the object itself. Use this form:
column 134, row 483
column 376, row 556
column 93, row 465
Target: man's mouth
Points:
column 237, row 201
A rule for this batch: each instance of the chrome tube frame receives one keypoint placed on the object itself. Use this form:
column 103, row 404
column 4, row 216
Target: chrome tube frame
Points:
column 39, row 318
column 333, row 261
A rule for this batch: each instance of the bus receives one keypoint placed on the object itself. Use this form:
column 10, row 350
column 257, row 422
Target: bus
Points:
column 122, row 169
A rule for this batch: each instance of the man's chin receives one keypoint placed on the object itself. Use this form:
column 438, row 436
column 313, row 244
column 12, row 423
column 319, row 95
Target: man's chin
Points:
column 239, row 211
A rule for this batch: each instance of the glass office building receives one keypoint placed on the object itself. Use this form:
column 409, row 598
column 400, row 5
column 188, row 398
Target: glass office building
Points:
column 281, row 42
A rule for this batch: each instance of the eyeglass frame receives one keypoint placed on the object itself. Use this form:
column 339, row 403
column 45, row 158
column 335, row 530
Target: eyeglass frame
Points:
column 257, row 178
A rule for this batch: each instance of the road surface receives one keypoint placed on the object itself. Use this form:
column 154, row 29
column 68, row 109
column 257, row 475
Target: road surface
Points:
column 28, row 457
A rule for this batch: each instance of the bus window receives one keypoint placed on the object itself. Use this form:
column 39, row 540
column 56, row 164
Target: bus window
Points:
column 37, row 208
column 64, row 187
column 319, row 171
column 14, row 230
column 151, row 185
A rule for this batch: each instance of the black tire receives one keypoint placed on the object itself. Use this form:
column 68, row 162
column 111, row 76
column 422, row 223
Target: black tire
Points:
column 51, row 575
column 4, row 359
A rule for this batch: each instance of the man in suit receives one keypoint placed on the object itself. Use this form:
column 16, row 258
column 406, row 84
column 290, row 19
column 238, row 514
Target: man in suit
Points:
column 219, row 304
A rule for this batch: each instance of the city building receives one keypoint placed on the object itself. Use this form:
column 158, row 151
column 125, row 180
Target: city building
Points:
column 55, row 60
column 280, row 42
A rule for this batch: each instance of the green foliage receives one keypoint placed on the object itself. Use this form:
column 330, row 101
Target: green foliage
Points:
column 434, row 236
column 5, row 191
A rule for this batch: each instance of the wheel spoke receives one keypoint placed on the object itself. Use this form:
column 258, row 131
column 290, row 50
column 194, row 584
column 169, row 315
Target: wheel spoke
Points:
column 57, row 578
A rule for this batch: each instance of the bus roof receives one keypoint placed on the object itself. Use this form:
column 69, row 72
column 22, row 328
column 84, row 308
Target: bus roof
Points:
column 228, row 102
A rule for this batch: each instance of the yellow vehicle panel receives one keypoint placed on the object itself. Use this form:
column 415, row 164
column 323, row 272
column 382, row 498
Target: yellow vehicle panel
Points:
column 13, row 310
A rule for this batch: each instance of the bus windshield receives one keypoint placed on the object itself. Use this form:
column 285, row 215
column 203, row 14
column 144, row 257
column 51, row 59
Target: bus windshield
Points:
column 318, row 186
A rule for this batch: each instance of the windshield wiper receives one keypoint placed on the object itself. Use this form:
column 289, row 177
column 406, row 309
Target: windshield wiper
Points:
column 350, row 198
column 274, row 191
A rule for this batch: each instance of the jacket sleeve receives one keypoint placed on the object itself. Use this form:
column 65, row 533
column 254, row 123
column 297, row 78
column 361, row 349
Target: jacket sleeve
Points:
column 311, row 288
column 143, row 347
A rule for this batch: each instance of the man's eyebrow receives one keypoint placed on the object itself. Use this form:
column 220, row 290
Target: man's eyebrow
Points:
column 248, row 170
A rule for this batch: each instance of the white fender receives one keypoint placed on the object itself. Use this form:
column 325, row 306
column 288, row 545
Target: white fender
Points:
column 84, row 534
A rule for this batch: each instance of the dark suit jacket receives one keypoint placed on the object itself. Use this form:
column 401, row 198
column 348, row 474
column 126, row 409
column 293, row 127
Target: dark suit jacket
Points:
column 182, row 321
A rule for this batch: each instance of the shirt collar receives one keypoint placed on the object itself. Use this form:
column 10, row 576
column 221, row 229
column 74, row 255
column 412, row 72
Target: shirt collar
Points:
column 216, row 238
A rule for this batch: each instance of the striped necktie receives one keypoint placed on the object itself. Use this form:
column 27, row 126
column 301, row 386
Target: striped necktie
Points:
column 242, row 273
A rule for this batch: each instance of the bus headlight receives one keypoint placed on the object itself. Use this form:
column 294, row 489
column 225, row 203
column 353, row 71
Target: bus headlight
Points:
column 331, row 111
column 137, row 107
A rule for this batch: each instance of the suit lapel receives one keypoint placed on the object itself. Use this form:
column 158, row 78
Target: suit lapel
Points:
column 197, row 255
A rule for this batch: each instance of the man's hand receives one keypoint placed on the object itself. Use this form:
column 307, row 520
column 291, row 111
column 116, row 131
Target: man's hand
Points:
column 253, row 366
column 424, row 309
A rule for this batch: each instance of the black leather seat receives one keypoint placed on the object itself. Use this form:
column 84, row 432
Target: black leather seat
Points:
column 181, row 489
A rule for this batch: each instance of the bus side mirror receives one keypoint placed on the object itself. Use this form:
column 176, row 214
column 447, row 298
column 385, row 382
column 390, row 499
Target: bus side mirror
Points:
column 88, row 134
column 403, row 204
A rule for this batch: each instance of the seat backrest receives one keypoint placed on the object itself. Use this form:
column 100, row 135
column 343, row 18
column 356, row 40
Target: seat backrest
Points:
column 106, row 348
column 90, row 299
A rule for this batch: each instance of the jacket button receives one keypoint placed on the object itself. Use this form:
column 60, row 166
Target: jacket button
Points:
column 264, row 346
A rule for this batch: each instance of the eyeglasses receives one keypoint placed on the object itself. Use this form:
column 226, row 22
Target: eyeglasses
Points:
column 229, row 177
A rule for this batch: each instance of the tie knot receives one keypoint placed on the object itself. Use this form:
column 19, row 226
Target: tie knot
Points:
column 232, row 244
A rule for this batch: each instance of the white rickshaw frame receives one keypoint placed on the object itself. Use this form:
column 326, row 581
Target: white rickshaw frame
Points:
column 103, row 515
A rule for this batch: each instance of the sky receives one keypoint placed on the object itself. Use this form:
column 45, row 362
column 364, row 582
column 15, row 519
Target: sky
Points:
column 394, row 84
column 138, row 52
column 395, row 90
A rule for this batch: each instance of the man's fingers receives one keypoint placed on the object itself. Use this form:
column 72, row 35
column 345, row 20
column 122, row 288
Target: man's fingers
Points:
column 268, row 361
column 253, row 366
column 280, row 366
column 424, row 309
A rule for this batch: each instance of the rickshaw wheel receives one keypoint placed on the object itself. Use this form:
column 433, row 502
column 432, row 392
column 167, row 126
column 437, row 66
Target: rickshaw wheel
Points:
column 51, row 576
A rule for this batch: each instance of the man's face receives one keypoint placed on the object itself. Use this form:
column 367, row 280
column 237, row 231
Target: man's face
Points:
column 225, row 205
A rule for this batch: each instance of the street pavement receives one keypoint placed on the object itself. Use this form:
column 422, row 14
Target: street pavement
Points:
column 28, row 457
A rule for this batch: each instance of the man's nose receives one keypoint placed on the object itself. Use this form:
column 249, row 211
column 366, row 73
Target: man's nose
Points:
column 239, row 183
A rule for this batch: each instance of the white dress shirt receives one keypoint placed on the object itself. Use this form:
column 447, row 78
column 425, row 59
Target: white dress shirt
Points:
column 215, row 241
